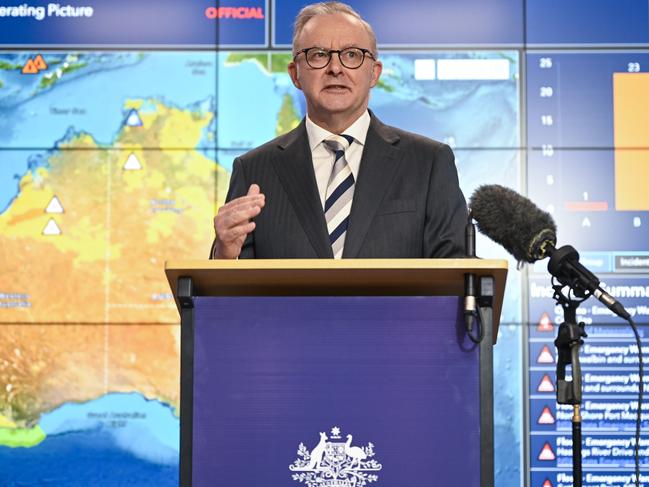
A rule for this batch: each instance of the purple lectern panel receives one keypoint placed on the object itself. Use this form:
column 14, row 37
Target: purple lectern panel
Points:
column 334, row 392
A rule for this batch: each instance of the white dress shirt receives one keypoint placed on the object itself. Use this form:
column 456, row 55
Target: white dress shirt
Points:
column 323, row 158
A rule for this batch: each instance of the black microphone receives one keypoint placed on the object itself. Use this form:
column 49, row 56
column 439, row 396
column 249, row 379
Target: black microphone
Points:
column 564, row 265
column 529, row 234
column 469, row 278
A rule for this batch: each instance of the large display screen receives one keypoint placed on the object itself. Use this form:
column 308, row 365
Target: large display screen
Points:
column 587, row 165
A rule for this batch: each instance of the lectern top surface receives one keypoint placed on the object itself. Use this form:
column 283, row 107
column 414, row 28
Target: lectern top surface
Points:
column 334, row 264
column 329, row 277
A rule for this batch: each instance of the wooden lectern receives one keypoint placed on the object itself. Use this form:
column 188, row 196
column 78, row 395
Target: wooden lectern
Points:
column 335, row 373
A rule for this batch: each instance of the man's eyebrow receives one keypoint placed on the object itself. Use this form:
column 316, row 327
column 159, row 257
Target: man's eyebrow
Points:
column 345, row 46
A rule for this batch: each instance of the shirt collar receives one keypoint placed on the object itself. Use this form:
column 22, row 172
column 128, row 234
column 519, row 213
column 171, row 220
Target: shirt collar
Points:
column 358, row 130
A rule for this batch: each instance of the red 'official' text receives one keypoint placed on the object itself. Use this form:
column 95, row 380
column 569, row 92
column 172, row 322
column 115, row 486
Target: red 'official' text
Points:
column 234, row 13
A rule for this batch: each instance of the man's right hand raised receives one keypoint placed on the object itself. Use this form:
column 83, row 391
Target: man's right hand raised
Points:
column 232, row 223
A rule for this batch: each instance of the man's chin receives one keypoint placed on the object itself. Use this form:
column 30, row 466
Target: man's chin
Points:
column 336, row 104
column 336, row 108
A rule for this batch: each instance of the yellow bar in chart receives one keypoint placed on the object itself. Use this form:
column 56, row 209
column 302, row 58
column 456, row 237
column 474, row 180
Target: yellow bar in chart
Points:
column 631, row 125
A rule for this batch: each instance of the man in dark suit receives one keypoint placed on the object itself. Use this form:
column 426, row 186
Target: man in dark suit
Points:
column 342, row 184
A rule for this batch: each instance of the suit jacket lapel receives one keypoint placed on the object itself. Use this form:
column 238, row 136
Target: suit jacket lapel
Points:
column 379, row 165
column 294, row 166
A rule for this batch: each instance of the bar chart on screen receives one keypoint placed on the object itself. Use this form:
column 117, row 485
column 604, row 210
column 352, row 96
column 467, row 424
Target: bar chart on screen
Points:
column 588, row 151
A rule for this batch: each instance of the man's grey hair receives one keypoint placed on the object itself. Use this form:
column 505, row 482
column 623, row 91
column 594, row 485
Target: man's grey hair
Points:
column 328, row 8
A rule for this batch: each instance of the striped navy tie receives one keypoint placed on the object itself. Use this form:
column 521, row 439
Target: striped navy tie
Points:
column 340, row 191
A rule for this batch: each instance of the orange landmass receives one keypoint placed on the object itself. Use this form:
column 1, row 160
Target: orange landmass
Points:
column 98, row 290
column 44, row 366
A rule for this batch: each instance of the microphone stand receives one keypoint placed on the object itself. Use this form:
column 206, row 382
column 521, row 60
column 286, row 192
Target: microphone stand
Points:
column 568, row 342
column 567, row 272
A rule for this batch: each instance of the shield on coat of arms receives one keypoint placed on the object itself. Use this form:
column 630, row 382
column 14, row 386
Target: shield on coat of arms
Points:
column 335, row 453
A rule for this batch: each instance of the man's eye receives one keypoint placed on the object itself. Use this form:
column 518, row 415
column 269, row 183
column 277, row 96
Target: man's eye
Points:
column 352, row 55
column 319, row 54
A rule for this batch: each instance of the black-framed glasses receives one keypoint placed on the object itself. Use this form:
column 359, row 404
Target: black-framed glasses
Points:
column 350, row 57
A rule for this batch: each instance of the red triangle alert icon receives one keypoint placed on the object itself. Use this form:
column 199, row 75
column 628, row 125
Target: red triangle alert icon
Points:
column 547, row 453
column 30, row 67
column 545, row 357
column 40, row 63
column 546, row 416
column 546, row 384
column 545, row 324
column 547, row 483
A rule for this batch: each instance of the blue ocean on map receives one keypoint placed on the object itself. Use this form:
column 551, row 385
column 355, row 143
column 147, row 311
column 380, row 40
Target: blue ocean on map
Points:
column 118, row 439
column 12, row 168
column 241, row 87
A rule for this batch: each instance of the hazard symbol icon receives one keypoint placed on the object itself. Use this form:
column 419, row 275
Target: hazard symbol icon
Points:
column 30, row 67
column 40, row 63
column 545, row 324
column 546, row 416
column 547, row 453
column 51, row 228
column 33, row 66
column 133, row 119
column 546, row 384
column 132, row 163
column 54, row 206
column 545, row 357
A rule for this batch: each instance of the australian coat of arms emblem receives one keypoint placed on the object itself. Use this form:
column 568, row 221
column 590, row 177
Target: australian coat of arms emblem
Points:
column 335, row 463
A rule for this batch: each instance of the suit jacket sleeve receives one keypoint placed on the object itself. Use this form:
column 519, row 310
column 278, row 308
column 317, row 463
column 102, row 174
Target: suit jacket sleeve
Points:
column 238, row 187
column 446, row 212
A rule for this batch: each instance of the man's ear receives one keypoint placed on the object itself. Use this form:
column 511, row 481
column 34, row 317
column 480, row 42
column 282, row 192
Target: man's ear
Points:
column 292, row 72
column 377, row 69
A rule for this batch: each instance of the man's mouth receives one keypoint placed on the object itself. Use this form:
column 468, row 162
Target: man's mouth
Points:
column 336, row 88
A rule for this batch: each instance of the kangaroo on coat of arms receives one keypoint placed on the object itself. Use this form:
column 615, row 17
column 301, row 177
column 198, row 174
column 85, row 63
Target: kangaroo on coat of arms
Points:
column 335, row 463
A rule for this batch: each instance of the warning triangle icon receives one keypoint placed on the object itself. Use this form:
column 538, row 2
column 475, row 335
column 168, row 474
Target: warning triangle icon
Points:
column 132, row 163
column 51, row 228
column 30, row 67
column 133, row 119
column 54, row 206
column 545, row 324
column 546, row 416
column 547, row 453
column 40, row 63
column 546, row 384
column 545, row 357
column 547, row 483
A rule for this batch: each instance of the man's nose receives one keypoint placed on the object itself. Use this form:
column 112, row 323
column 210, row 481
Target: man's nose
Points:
column 334, row 66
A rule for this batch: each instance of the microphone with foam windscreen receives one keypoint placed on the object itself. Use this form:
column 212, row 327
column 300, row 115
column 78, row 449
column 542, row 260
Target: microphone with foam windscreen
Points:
column 529, row 234
column 513, row 221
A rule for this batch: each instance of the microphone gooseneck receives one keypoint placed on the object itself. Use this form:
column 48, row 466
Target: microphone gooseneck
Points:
column 470, row 307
